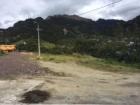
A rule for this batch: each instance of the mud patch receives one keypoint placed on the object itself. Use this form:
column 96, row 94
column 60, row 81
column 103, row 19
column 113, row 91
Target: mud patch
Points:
column 49, row 81
column 131, row 84
column 35, row 96
column 60, row 74
column 103, row 82
column 133, row 96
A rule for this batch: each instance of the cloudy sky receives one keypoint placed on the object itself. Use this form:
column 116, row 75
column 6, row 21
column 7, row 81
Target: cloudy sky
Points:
column 12, row 11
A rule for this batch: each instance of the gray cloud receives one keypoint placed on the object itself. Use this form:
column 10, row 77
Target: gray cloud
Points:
column 125, row 10
column 15, row 10
column 64, row 6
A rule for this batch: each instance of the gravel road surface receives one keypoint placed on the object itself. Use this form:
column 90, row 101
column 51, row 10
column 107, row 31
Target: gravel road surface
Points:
column 16, row 64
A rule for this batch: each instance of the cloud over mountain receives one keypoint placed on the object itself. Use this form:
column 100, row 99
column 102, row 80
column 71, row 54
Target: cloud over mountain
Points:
column 15, row 10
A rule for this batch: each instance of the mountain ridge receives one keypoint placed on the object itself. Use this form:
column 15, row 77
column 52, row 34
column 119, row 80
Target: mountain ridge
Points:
column 76, row 26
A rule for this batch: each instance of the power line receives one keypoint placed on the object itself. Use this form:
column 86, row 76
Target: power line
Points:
column 100, row 7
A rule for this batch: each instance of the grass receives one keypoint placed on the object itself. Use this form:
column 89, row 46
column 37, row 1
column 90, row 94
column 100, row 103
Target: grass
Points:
column 1, row 54
column 92, row 62
column 60, row 58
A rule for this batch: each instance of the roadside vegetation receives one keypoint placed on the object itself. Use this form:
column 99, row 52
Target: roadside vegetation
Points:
column 1, row 53
column 92, row 62
column 97, row 53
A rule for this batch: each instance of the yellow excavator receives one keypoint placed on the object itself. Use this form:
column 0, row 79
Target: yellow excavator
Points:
column 7, row 48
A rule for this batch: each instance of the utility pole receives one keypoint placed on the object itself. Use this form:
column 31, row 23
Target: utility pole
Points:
column 1, row 36
column 38, row 33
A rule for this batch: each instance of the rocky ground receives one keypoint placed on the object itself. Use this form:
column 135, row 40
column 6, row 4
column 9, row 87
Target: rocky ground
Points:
column 66, row 82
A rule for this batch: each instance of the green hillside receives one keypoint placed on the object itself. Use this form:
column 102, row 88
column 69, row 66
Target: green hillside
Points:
column 64, row 34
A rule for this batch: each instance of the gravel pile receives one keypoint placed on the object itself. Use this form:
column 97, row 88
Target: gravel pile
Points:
column 16, row 64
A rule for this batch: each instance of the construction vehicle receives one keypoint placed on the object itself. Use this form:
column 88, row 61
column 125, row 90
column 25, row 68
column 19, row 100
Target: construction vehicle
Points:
column 7, row 48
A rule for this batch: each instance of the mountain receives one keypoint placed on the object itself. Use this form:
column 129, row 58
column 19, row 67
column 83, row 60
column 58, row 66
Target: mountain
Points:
column 69, row 34
column 52, row 28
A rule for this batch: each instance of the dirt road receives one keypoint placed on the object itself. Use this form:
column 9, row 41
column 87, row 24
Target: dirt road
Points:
column 16, row 64
column 85, row 85
column 72, row 83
